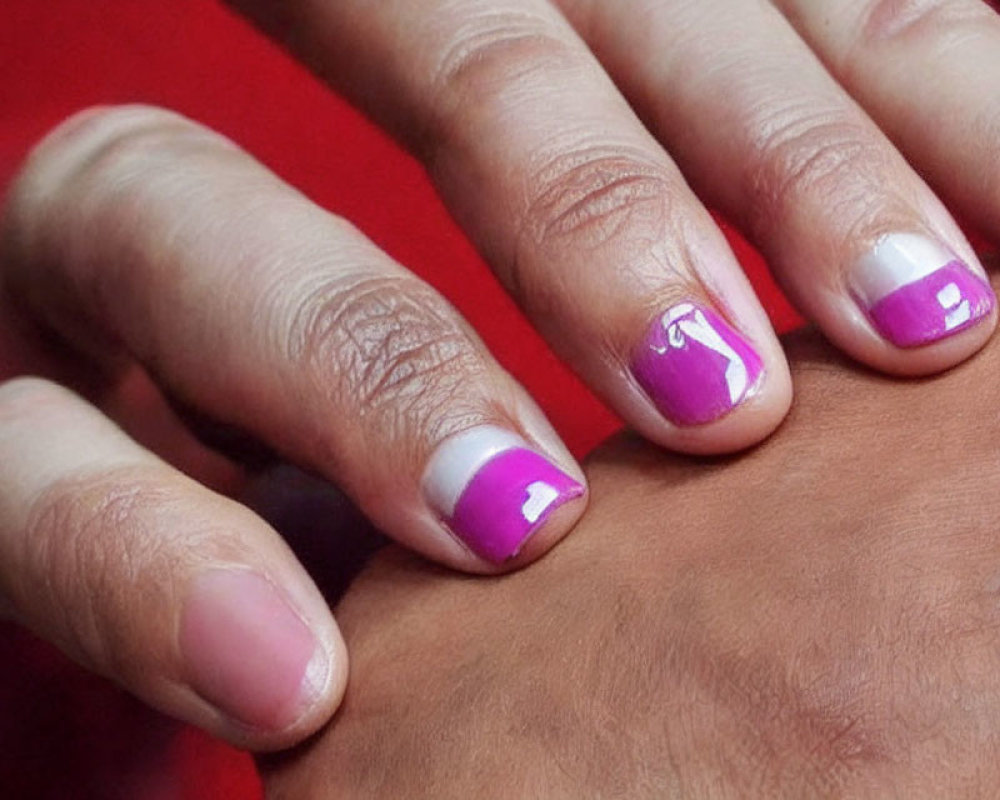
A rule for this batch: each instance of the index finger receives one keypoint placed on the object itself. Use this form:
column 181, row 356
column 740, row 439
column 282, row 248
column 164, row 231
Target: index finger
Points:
column 136, row 230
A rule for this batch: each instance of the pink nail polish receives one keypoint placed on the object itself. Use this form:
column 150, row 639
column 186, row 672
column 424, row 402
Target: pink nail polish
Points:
column 916, row 292
column 694, row 366
column 493, row 491
column 247, row 652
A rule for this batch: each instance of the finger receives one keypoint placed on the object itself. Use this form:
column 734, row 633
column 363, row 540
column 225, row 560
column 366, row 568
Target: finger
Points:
column 859, row 241
column 133, row 402
column 581, row 213
column 136, row 229
column 184, row 597
column 927, row 72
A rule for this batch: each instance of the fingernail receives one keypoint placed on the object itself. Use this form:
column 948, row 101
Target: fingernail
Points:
column 915, row 291
column 493, row 491
column 694, row 366
column 247, row 652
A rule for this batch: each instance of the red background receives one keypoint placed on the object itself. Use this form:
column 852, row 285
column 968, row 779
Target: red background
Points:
column 62, row 733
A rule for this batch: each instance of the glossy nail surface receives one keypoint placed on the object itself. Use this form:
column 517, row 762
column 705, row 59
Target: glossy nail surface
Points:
column 493, row 491
column 247, row 652
column 916, row 292
column 694, row 366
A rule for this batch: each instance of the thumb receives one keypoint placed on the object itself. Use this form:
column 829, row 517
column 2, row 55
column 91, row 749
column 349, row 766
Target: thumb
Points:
column 182, row 596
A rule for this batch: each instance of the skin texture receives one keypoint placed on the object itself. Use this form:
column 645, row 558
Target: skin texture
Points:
column 209, row 287
column 580, row 144
column 814, row 618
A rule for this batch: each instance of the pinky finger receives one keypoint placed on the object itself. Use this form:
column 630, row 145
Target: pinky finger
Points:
column 182, row 596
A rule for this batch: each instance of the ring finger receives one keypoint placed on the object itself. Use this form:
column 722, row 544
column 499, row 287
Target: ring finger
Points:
column 134, row 232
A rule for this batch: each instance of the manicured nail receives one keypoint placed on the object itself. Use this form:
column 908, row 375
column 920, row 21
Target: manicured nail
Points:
column 493, row 491
column 915, row 291
column 247, row 652
column 694, row 366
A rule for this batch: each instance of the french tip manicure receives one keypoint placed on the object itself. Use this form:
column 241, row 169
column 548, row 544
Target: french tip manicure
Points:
column 916, row 292
column 494, row 492
column 248, row 653
column 695, row 367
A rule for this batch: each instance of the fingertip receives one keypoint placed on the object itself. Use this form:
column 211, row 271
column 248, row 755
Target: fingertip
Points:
column 271, row 673
column 698, row 385
column 503, row 499
column 934, row 358
column 323, row 687
column 558, row 524
column 913, row 307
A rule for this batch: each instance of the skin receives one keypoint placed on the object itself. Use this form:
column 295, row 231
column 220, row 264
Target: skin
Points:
column 173, row 317
column 604, row 129
column 815, row 618
column 277, row 329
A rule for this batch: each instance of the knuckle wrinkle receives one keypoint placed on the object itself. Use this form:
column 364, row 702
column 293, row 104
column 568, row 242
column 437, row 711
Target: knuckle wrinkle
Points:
column 387, row 344
column 495, row 48
column 808, row 155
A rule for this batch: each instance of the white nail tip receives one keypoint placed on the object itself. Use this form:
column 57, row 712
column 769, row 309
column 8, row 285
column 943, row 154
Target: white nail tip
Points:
column 897, row 260
column 457, row 461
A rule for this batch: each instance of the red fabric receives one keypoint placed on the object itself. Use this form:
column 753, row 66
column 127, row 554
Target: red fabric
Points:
column 64, row 734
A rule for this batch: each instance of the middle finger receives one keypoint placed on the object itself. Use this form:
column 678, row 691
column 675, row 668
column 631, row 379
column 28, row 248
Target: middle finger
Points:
column 581, row 213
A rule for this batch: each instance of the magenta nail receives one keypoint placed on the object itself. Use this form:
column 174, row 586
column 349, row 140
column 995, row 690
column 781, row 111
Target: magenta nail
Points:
column 694, row 366
column 494, row 492
column 916, row 292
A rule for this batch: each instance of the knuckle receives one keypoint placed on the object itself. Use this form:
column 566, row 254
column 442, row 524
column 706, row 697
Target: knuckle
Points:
column 595, row 193
column 98, row 174
column 89, row 173
column 593, row 197
column 103, row 122
column 491, row 64
column 126, row 145
column 494, row 48
column 904, row 19
column 839, row 737
column 804, row 156
column 387, row 345
column 811, row 704
column 85, row 139
column 106, row 153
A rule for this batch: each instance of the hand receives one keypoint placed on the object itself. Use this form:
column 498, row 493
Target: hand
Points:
column 153, row 247
column 135, row 244
column 816, row 618
column 576, row 139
